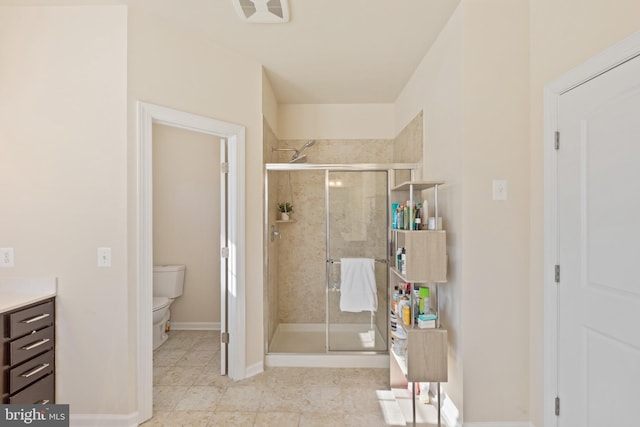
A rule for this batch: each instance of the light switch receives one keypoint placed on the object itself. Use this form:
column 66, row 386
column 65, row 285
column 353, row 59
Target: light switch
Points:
column 6, row 257
column 499, row 189
column 104, row 257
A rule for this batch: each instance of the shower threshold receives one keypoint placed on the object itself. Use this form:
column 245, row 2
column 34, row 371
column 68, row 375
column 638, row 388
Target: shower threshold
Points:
column 351, row 345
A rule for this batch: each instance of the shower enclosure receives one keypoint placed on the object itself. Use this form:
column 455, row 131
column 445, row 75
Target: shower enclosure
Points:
column 339, row 211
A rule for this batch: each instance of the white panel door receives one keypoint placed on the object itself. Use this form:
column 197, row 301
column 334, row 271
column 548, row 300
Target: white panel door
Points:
column 599, row 251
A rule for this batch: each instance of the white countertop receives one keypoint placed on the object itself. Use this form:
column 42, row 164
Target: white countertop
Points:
column 16, row 292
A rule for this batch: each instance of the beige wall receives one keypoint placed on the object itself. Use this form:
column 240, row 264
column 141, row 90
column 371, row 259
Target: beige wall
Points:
column 495, row 251
column 335, row 121
column 472, row 87
column 64, row 158
column 269, row 105
column 436, row 88
column 563, row 35
column 94, row 56
column 186, row 218
column 172, row 67
column 457, row 72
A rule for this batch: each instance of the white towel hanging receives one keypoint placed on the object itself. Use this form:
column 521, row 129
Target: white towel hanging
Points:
column 358, row 285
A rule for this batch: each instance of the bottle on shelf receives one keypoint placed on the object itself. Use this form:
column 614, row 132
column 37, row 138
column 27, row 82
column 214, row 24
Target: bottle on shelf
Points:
column 405, row 219
column 424, row 300
column 417, row 224
column 406, row 314
column 394, row 215
column 424, row 213
column 403, row 259
column 416, row 302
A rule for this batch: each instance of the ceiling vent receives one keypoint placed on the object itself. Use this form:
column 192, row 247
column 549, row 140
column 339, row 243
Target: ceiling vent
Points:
column 262, row 11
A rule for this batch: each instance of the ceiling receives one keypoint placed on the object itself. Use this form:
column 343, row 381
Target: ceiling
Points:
column 330, row 52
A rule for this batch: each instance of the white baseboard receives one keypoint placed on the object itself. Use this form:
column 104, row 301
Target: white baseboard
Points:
column 103, row 420
column 195, row 326
column 450, row 413
column 255, row 369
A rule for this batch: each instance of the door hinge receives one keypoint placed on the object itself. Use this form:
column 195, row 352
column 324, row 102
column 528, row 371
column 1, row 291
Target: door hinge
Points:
column 224, row 167
column 224, row 337
column 556, row 143
column 557, row 273
column 224, row 252
column 557, row 406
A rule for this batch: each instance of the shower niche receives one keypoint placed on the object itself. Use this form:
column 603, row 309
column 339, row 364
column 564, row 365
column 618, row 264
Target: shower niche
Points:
column 340, row 212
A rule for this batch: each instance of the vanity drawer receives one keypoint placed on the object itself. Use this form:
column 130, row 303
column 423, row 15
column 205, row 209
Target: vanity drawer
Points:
column 31, row 345
column 22, row 375
column 41, row 392
column 30, row 319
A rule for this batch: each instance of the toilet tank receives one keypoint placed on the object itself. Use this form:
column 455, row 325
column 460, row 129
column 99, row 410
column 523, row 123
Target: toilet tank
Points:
column 168, row 280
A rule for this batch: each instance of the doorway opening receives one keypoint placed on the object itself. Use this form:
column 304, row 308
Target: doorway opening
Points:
column 231, row 251
column 186, row 231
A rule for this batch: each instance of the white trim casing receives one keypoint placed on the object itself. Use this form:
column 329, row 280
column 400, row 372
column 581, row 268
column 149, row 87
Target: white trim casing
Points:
column 550, row 296
column 224, row 271
column 255, row 369
column 144, row 319
column 601, row 63
column 147, row 114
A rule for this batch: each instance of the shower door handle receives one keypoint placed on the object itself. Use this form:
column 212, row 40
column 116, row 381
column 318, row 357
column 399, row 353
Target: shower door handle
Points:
column 275, row 233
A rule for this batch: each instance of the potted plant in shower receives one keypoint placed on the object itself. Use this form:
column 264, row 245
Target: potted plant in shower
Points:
column 285, row 209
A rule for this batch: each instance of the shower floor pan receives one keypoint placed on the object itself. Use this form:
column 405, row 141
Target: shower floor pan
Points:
column 351, row 345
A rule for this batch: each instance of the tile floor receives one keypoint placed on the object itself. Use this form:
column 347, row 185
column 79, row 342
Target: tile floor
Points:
column 189, row 391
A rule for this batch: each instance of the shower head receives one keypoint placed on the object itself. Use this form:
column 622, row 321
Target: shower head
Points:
column 296, row 155
column 298, row 159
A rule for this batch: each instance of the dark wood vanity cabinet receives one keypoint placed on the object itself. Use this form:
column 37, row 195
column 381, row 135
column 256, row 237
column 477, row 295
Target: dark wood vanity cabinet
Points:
column 28, row 355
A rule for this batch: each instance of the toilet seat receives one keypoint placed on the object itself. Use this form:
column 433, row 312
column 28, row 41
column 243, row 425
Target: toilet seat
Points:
column 160, row 302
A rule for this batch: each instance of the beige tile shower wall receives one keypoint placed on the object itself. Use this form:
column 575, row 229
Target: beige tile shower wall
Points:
column 302, row 249
column 408, row 148
column 342, row 150
column 271, row 284
column 186, row 217
column 361, row 199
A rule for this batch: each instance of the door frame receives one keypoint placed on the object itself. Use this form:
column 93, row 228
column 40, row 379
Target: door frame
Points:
column 612, row 57
column 147, row 115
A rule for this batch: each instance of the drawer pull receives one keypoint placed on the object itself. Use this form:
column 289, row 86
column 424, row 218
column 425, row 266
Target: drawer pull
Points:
column 42, row 402
column 35, row 344
column 36, row 318
column 36, row 370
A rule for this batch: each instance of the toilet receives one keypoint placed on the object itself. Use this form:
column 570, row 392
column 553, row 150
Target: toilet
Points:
column 168, row 283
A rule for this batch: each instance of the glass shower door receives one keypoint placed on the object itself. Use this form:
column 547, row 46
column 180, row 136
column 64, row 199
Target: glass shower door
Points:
column 357, row 228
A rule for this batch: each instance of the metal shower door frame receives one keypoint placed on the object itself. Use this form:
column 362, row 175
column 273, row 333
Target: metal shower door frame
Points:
column 327, row 168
